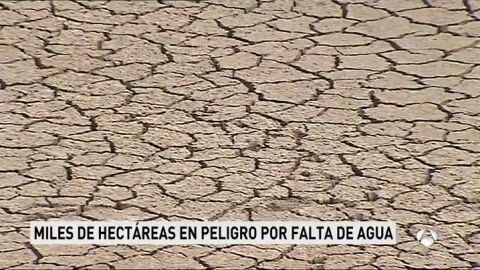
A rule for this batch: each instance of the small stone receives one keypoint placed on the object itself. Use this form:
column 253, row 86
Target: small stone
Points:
column 253, row 146
column 306, row 173
column 318, row 260
column 372, row 196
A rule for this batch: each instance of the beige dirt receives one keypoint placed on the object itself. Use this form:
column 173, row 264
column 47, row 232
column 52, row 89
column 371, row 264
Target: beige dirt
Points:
column 241, row 110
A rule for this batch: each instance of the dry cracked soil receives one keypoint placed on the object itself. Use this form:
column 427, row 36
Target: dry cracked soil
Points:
column 241, row 110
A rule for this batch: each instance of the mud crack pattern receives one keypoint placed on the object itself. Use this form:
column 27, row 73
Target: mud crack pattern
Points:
column 241, row 110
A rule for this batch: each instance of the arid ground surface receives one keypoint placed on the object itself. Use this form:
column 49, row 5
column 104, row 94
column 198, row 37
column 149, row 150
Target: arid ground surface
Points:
column 241, row 110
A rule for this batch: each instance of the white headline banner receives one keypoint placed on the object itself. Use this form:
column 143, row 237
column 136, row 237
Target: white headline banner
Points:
column 213, row 233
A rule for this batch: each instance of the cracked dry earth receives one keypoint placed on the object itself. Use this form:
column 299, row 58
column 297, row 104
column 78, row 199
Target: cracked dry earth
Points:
column 241, row 110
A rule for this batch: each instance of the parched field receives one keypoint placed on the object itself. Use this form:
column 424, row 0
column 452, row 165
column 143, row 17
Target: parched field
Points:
column 241, row 110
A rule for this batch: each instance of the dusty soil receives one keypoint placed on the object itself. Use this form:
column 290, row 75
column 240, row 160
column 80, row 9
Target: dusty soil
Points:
column 241, row 110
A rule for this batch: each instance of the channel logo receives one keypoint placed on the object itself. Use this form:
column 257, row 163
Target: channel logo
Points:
column 427, row 236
